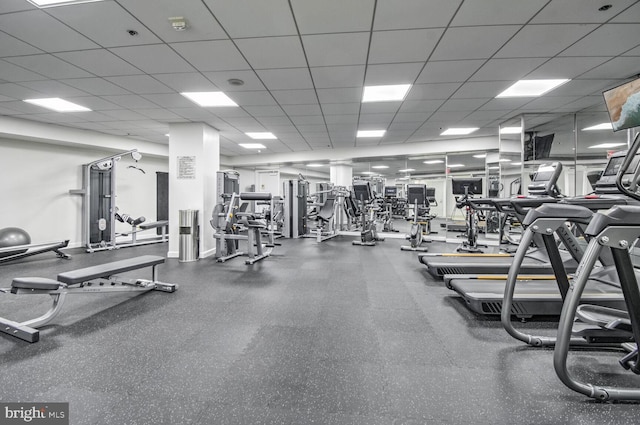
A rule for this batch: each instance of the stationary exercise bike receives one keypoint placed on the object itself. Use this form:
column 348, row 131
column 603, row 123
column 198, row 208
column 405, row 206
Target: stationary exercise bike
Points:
column 417, row 195
column 466, row 188
column 369, row 233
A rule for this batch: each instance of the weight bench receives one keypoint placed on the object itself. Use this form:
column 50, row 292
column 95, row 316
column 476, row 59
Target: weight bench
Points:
column 89, row 280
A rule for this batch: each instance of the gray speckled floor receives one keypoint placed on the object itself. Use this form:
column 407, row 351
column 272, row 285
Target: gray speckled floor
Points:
column 317, row 334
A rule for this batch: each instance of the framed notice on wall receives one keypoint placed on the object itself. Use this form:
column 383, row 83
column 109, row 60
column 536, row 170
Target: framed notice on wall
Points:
column 186, row 167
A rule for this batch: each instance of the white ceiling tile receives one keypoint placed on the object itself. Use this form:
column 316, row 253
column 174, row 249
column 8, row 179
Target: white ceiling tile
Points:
column 221, row 79
column 582, row 103
column 245, row 123
column 49, row 66
column 284, row 79
column 379, row 107
column 633, row 52
column 153, row 59
column 295, row 97
column 272, row 52
column 140, row 84
column 544, row 40
column 392, row 14
column 13, row 73
column 403, row 45
column 340, row 108
column 307, row 119
column 53, row 88
column 411, row 117
column 506, row 69
column 312, row 128
column 158, row 114
column 379, row 121
column 100, row 62
column 94, row 103
column 579, row 11
column 448, row 71
column 248, row 18
column 395, row 73
column 467, row 104
column 330, row 16
column 486, row 115
column 278, row 122
column 8, row 6
column 341, row 119
column 187, row 81
column 630, row 15
column 547, row 103
column 481, row 89
column 421, row 105
column 252, row 98
column 404, row 126
column 154, row 14
column 130, row 101
column 124, row 115
column 195, row 114
column 607, row 40
column 432, row 91
column 311, row 109
column 336, row 49
column 338, row 76
column 581, row 87
column 106, row 23
column 19, row 92
column 218, row 55
column 11, row 46
column 505, row 104
column 51, row 36
column 448, row 117
column 496, row 12
column 473, row 42
column 264, row 111
column 166, row 100
column 566, row 67
column 620, row 67
column 344, row 95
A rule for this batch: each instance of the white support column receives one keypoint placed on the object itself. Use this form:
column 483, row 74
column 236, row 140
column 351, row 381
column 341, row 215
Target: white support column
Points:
column 194, row 159
column 341, row 174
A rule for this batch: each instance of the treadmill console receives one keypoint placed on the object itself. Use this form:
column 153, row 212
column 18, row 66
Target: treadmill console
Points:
column 607, row 182
column 417, row 194
column 545, row 180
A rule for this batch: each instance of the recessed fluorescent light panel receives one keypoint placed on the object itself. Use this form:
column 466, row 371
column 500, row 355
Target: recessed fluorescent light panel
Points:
column 458, row 131
column 531, row 88
column 370, row 133
column 480, row 155
column 433, row 161
column 603, row 126
column 385, row 93
column 407, row 170
column 52, row 3
column 262, row 135
column 252, row 145
column 493, row 167
column 510, row 130
column 504, row 160
column 455, row 165
column 380, row 167
column 368, row 172
column 606, row 145
column 209, row 98
column 57, row 104
column 315, row 165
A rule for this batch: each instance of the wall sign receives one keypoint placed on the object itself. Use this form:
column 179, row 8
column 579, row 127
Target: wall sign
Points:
column 186, row 167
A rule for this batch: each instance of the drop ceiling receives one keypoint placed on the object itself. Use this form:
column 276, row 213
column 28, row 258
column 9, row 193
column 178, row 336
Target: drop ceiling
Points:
column 304, row 64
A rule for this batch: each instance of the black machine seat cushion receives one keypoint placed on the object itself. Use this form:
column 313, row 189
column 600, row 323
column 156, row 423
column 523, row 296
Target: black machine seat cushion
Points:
column 569, row 212
column 109, row 269
column 40, row 283
column 154, row 224
column 326, row 212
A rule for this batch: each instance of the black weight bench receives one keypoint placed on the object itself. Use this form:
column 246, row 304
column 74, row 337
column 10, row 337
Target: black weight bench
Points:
column 89, row 280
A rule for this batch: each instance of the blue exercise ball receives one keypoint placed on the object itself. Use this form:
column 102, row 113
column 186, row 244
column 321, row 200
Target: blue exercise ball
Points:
column 13, row 236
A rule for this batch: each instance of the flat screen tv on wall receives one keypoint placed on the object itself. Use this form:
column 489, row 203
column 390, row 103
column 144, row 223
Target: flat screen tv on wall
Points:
column 623, row 104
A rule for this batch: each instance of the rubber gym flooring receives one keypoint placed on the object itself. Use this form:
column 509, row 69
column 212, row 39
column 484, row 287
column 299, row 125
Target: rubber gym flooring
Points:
column 324, row 333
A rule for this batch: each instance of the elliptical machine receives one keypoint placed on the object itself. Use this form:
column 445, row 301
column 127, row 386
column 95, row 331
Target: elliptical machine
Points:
column 417, row 195
column 369, row 234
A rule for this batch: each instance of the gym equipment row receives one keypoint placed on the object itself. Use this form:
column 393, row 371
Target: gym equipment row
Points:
column 90, row 280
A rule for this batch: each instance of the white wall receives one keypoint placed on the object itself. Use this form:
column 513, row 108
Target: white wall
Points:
column 38, row 176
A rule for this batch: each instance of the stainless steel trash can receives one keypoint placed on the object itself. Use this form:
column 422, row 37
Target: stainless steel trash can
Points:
column 189, row 249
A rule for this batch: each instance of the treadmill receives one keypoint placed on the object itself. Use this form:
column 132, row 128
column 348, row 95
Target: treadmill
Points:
column 541, row 296
column 544, row 185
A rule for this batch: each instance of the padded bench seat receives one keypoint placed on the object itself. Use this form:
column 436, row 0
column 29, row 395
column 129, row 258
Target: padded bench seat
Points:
column 36, row 283
column 109, row 269
column 154, row 224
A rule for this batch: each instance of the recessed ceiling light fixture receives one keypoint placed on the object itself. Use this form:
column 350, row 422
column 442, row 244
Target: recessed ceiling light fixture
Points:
column 480, row 155
column 493, row 167
column 264, row 135
column 380, row 167
column 606, row 145
column 315, row 165
column 455, row 165
column 458, row 131
column 388, row 93
column 368, row 172
column 510, row 130
column 504, row 160
column 57, row 104
column 210, row 98
column 370, row 133
column 433, row 161
column 603, row 126
column 252, row 145
column 532, row 88
column 52, row 3
column 407, row 170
